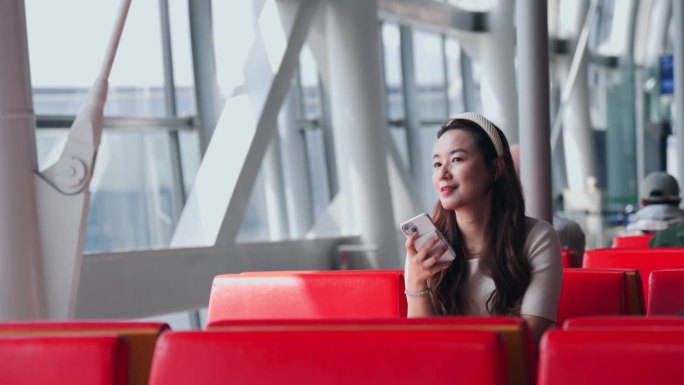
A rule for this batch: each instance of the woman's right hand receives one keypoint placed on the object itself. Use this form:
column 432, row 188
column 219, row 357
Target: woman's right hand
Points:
column 422, row 264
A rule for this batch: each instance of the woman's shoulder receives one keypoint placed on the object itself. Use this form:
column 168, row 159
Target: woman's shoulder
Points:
column 537, row 227
column 542, row 241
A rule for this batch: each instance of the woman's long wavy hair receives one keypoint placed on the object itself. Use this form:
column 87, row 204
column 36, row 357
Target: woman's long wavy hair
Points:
column 502, row 254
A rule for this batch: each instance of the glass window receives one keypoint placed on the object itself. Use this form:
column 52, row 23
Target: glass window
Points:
column 393, row 77
column 233, row 38
column 132, row 201
column 430, row 82
column 394, row 88
column 473, row 5
column 255, row 223
column 182, row 57
column 455, row 77
column 65, row 61
column 314, row 133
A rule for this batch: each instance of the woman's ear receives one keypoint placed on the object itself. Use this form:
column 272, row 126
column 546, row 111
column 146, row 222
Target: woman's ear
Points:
column 499, row 167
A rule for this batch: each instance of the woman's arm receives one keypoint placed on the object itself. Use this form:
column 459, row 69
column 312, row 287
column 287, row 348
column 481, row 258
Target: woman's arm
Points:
column 537, row 325
column 420, row 266
column 540, row 301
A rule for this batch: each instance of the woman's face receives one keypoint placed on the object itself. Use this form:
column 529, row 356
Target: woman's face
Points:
column 459, row 173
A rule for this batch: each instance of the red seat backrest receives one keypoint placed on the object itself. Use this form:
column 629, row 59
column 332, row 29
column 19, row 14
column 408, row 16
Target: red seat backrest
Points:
column 666, row 292
column 593, row 292
column 570, row 258
column 73, row 360
column 103, row 325
column 353, row 356
column 520, row 345
column 624, row 322
column 632, row 241
column 323, row 294
column 643, row 260
column 599, row 357
column 141, row 338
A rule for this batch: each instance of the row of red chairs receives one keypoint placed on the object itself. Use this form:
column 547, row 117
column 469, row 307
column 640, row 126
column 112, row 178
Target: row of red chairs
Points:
column 470, row 350
column 665, row 285
column 380, row 294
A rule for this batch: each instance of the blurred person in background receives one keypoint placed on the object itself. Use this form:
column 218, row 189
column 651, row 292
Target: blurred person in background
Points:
column 659, row 205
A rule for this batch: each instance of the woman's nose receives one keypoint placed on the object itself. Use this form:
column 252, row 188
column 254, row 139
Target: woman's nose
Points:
column 444, row 173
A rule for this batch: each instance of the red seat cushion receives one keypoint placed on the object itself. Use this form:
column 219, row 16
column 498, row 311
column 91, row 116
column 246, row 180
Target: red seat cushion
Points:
column 353, row 356
column 666, row 288
column 324, row 294
column 73, row 360
column 599, row 357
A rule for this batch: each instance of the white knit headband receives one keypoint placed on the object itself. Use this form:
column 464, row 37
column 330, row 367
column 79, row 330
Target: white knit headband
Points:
column 487, row 126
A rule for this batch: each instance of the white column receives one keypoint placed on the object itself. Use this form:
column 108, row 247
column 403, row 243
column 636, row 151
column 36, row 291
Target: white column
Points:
column 497, row 56
column 21, row 288
column 274, row 189
column 679, row 86
column 578, row 137
column 298, row 198
column 578, row 140
column 533, row 88
column 358, row 121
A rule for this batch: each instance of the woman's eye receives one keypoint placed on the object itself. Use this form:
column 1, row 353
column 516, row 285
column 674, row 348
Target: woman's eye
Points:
column 456, row 160
column 436, row 165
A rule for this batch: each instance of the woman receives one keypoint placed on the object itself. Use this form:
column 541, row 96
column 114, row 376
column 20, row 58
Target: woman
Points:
column 506, row 263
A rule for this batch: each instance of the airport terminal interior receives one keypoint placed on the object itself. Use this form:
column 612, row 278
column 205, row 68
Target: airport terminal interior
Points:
column 149, row 146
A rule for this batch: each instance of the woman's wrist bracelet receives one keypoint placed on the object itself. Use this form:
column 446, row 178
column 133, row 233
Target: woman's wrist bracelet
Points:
column 417, row 293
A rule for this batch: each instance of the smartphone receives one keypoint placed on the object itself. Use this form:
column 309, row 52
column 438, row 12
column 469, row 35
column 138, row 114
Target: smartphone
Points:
column 422, row 224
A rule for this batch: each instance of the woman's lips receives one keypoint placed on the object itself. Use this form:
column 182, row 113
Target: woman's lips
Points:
column 446, row 190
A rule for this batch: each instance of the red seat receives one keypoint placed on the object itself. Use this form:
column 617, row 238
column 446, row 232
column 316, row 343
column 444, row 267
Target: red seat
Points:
column 599, row 357
column 323, row 294
column 643, row 260
column 624, row 322
column 353, row 356
column 81, row 326
column 666, row 288
column 73, row 360
column 570, row 258
column 594, row 292
column 632, row 241
column 521, row 348
column 141, row 338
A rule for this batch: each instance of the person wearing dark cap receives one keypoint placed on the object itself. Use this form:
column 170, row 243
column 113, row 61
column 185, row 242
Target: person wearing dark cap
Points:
column 660, row 204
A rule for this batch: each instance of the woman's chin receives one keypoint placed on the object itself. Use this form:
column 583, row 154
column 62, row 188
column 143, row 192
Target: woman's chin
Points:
column 448, row 205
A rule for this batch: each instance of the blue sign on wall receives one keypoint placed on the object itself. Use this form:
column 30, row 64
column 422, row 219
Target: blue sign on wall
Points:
column 666, row 77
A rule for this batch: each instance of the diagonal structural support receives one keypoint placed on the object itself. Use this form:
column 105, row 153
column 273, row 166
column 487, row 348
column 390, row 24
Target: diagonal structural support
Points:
column 63, row 196
column 216, row 206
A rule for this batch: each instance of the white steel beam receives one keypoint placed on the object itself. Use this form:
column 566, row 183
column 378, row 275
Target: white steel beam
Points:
column 433, row 15
column 151, row 282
